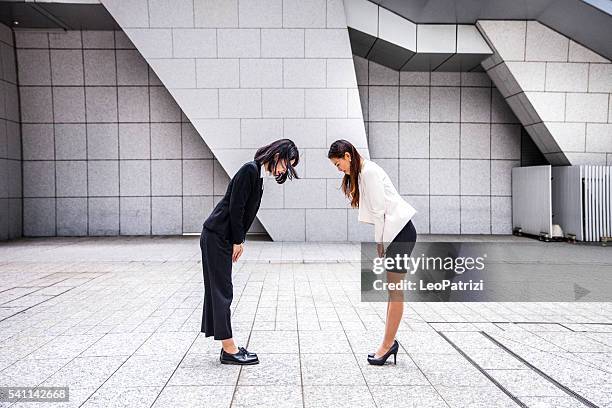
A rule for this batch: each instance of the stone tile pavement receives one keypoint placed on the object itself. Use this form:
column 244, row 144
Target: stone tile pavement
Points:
column 117, row 321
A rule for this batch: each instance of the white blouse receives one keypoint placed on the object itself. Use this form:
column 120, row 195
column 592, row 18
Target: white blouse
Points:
column 380, row 203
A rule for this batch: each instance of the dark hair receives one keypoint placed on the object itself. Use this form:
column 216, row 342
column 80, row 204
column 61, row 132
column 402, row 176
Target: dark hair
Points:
column 350, row 182
column 281, row 149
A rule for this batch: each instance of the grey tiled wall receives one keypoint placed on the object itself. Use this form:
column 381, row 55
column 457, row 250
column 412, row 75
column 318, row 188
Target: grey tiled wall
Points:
column 560, row 90
column 247, row 72
column 106, row 150
column 10, row 140
column 448, row 141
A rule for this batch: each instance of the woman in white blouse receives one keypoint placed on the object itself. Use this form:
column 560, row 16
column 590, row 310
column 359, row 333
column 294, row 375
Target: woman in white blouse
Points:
column 369, row 188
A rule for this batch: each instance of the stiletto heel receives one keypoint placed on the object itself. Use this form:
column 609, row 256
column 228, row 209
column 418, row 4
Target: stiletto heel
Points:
column 383, row 359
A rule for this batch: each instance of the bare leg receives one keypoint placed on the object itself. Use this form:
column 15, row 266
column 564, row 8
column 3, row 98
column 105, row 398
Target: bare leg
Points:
column 395, row 310
column 229, row 346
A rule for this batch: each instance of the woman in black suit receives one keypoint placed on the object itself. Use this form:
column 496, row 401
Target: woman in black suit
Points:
column 222, row 240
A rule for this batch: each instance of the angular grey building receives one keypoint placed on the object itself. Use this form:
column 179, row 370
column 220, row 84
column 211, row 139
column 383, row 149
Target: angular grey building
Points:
column 127, row 117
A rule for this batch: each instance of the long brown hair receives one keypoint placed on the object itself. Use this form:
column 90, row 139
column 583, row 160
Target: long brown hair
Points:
column 350, row 182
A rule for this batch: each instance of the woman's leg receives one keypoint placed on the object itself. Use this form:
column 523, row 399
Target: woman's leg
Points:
column 395, row 306
column 207, row 326
column 229, row 346
column 395, row 311
column 219, row 266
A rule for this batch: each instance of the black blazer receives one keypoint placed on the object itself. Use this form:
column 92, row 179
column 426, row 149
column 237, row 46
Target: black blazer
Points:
column 234, row 214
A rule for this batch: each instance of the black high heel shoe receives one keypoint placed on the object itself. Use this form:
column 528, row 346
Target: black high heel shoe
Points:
column 373, row 354
column 383, row 359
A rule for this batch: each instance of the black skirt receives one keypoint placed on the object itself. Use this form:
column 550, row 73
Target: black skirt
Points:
column 402, row 244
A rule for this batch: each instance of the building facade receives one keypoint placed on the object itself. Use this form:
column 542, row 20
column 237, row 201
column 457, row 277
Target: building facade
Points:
column 131, row 120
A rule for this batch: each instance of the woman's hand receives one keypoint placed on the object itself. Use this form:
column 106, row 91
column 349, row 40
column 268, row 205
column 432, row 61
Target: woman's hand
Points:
column 238, row 249
column 380, row 248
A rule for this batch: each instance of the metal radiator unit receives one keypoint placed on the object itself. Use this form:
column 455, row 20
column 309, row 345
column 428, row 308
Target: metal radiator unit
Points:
column 576, row 198
column 596, row 203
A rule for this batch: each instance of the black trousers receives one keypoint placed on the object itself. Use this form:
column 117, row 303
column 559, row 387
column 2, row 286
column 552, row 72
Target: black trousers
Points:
column 402, row 244
column 218, row 288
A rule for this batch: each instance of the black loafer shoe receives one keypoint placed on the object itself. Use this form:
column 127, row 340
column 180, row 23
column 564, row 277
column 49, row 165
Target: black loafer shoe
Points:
column 240, row 358
column 247, row 352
